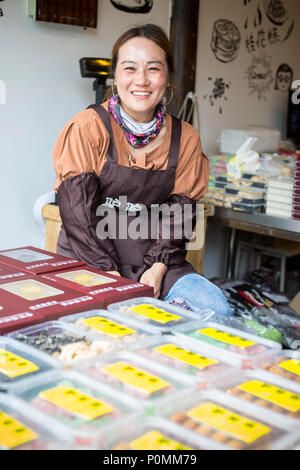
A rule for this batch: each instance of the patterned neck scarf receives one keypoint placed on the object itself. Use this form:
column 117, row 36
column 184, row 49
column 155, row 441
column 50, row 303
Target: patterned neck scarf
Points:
column 136, row 139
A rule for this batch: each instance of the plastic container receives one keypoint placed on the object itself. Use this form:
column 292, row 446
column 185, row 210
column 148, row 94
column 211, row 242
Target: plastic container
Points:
column 250, row 349
column 114, row 329
column 19, row 362
column 239, row 206
column 250, row 194
column 281, row 183
column 158, row 434
column 24, row 428
column 83, row 406
column 286, row 365
column 268, row 391
column 137, row 377
column 227, row 420
column 193, row 361
column 161, row 315
column 62, row 341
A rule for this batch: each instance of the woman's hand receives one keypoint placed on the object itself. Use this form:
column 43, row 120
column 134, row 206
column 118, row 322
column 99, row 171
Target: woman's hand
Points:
column 114, row 273
column 153, row 277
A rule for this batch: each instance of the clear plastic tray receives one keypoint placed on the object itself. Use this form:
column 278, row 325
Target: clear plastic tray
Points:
column 251, row 349
column 19, row 362
column 135, row 376
column 206, row 369
column 84, row 407
column 287, row 365
column 162, row 315
column 157, row 434
column 238, row 206
column 269, row 391
column 24, row 428
column 244, row 192
column 227, row 420
column 112, row 328
column 62, row 341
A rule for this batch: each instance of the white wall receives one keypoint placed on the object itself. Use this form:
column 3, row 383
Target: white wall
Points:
column 39, row 66
column 241, row 108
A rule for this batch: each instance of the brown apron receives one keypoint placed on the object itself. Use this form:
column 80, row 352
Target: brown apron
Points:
column 146, row 187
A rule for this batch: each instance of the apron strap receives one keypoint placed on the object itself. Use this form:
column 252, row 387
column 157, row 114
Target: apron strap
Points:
column 104, row 115
column 175, row 144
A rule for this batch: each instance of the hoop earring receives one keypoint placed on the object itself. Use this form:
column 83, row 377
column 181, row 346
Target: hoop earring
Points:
column 172, row 95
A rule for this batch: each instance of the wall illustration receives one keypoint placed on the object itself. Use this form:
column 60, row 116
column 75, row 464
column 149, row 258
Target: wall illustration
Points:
column 218, row 92
column 259, row 76
column 269, row 24
column 133, row 6
column 1, row 11
column 226, row 39
column 284, row 78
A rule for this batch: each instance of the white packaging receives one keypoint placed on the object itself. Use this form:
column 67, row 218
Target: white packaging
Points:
column 268, row 139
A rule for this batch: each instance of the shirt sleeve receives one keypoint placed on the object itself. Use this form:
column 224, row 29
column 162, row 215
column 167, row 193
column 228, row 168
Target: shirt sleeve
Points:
column 192, row 171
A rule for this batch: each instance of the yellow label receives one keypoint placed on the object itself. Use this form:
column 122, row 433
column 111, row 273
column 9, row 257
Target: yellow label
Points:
column 230, row 423
column 292, row 365
column 138, row 378
column 154, row 313
column 154, row 440
column 107, row 326
column 13, row 433
column 188, row 357
column 12, row 365
column 226, row 337
column 70, row 399
column 279, row 396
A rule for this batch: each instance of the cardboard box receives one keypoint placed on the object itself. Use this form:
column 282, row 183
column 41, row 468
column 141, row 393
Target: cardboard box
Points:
column 106, row 288
column 25, row 302
column 36, row 261
column 295, row 303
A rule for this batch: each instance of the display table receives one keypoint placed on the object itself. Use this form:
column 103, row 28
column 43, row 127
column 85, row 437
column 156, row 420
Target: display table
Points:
column 50, row 212
column 263, row 224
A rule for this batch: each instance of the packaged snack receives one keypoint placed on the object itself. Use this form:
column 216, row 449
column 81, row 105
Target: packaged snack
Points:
column 200, row 366
column 82, row 406
column 251, row 349
column 19, row 362
column 65, row 343
column 24, row 428
column 286, row 365
column 227, row 421
column 156, row 313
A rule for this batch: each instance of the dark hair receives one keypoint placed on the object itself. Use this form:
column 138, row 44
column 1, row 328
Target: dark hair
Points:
column 283, row 68
column 149, row 31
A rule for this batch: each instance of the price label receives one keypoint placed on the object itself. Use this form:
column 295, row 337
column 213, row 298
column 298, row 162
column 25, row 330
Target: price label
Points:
column 73, row 400
column 156, row 314
column 183, row 355
column 154, row 440
column 12, row 365
column 226, row 337
column 279, row 396
column 13, row 433
column 292, row 365
column 107, row 326
column 229, row 423
column 137, row 378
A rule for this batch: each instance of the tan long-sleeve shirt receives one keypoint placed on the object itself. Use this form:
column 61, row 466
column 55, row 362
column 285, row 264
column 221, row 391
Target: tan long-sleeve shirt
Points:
column 83, row 143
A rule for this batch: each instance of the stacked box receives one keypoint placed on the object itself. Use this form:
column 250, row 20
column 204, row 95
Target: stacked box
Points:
column 280, row 197
column 36, row 261
column 296, row 193
column 34, row 299
column 104, row 287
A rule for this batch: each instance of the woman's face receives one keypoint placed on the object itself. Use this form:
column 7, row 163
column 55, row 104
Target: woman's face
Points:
column 141, row 77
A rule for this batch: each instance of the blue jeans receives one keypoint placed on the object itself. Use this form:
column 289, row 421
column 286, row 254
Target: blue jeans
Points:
column 199, row 293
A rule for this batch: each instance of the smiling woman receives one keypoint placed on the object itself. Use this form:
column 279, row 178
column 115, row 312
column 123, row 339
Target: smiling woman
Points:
column 128, row 152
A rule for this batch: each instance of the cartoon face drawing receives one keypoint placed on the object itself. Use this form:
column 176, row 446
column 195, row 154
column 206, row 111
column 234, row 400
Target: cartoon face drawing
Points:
column 276, row 11
column 133, row 6
column 284, row 78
